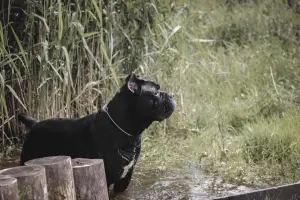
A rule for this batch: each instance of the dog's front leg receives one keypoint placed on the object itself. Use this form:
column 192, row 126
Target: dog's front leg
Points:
column 122, row 184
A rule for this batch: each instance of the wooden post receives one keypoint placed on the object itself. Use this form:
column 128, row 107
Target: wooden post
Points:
column 59, row 174
column 90, row 180
column 31, row 181
column 8, row 188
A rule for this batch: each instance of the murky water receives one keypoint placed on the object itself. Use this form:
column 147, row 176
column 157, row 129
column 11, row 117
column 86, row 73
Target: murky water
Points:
column 186, row 183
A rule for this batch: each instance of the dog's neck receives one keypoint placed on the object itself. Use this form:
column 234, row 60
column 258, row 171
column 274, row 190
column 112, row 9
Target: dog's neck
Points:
column 120, row 110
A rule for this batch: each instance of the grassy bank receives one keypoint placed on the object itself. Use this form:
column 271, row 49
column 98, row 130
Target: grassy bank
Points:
column 234, row 69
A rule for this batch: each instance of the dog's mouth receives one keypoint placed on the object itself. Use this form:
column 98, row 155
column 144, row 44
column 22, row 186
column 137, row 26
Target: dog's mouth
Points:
column 166, row 109
column 169, row 106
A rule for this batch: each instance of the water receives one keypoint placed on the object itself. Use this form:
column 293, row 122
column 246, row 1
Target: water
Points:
column 185, row 183
column 188, row 183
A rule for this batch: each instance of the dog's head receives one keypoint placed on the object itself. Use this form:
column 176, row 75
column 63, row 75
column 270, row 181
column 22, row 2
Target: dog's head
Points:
column 150, row 101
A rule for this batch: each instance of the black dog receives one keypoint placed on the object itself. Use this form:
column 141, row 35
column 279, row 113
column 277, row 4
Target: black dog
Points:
column 112, row 134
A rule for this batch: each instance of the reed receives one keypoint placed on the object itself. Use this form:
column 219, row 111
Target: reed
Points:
column 233, row 66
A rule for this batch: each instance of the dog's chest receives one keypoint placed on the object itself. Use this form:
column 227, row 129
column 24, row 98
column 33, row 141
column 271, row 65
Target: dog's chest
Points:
column 128, row 157
column 126, row 168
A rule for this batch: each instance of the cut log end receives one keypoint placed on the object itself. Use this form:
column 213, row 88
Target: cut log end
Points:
column 23, row 171
column 84, row 162
column 51, row 160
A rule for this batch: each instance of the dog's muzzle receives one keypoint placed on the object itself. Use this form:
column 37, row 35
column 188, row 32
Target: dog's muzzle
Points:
column 167, row 107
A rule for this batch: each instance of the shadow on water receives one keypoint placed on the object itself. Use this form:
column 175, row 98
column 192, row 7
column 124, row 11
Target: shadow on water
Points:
column 183, row 183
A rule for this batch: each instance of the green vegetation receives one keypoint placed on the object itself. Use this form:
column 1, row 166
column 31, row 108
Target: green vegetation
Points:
column 234, row 68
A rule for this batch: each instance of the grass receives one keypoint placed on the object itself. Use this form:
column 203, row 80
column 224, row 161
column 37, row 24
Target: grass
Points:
column 234, row 69
column 236, row 78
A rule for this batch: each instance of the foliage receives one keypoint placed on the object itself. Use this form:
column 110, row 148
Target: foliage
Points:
column 233, row 67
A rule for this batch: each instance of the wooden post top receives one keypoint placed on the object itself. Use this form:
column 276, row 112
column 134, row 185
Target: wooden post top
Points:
column 50, row 160
column 22, row 171
column 83, row 162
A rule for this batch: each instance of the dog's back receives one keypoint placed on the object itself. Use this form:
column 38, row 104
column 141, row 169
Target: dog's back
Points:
column 57, row 136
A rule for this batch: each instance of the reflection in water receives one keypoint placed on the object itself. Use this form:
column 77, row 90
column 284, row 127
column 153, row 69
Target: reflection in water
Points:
column 187, row 183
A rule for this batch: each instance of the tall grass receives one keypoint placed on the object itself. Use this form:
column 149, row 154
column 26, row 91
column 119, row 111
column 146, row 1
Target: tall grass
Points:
column 233, row 66
column 69, row 56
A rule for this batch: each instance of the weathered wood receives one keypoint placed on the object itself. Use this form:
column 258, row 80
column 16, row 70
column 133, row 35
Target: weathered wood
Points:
column 59, row 174
column 31, row 181
column 90, row 180
column 8, row 188
column 285, row 192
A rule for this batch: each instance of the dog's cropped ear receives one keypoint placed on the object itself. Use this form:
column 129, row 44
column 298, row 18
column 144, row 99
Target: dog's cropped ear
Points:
column 133, row 82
